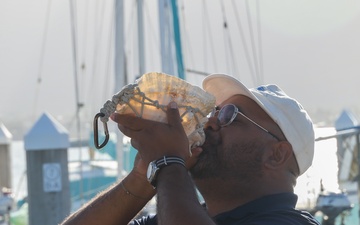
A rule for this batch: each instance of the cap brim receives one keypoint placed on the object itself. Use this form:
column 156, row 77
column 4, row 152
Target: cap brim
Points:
column 223, row 86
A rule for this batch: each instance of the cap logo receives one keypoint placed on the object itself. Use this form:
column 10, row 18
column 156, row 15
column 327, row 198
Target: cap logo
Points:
column 261, row 88
column 265, row 91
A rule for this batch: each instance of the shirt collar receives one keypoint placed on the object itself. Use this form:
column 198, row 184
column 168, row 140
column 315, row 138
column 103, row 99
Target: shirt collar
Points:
column 273, row 202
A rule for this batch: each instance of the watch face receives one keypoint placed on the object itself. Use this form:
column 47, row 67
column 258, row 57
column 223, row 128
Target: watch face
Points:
column 151, row 171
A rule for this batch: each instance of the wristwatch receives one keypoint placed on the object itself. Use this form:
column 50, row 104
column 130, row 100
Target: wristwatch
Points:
column 155, row 166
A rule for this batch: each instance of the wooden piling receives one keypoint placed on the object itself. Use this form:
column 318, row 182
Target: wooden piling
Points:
column 46, row 147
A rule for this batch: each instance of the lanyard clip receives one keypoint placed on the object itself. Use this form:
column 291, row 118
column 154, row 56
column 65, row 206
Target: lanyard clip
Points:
column 96, row 131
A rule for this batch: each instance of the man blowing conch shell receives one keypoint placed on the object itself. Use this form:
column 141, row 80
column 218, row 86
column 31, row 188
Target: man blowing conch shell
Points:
column 258, row 141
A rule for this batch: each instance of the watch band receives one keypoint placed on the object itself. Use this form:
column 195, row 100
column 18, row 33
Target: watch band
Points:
column 166, row 160
column 155, row 167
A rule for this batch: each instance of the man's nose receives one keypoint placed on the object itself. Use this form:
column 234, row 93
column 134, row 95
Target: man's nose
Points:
column 212, row 124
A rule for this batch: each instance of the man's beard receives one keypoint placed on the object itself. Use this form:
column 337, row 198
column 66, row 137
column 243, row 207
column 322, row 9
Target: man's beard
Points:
column 239, row 161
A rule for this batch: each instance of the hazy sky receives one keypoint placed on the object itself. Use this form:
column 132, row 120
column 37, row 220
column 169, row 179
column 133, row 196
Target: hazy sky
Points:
column 310, row 48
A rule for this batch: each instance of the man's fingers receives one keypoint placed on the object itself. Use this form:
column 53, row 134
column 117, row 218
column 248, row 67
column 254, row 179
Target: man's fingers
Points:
column 190, row 162
column 127, row 120
column 173, row 115
column 127, row 124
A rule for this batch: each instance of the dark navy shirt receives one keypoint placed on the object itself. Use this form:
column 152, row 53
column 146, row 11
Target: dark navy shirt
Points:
column 276, row 209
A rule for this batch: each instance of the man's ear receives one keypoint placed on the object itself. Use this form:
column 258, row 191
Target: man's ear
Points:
column 279, row 155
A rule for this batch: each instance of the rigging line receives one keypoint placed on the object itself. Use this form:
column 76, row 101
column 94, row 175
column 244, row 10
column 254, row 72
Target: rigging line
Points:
column 131, row 20
column 204, row 37
column 187, row 43
column 229, row 40
column 225, row 43
column 74, row 22
column 210, row 36
column 74, row 41
column 261, row 66
column 85, row 30
column 197, row 72
column 151, row 28
column 256, row 63
column 98, row 37
column 41, row 61
column 84, row 46
column 110, row 46
column 243, row 41
column 75, row 59
column 93, row 47
column 131, row 35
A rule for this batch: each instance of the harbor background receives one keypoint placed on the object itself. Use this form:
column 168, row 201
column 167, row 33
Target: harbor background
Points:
column 309, row 48
column 324, row 170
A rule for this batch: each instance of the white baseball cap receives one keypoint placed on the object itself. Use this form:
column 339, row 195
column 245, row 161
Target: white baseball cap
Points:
column 291, row 117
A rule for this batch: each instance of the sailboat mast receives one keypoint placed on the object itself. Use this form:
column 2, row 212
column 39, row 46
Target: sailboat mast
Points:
column 177, row 40
column 141, row 46
column 167, row 62
column 120, row 73
column 171, row 49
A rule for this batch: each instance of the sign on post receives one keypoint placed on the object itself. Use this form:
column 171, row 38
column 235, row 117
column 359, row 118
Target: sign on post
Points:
column 52, row 177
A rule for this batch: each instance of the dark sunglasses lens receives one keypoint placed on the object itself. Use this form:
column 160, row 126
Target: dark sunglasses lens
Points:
column 226, row 114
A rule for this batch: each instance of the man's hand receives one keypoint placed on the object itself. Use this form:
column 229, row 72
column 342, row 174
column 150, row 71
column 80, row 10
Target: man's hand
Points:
column 154, row 139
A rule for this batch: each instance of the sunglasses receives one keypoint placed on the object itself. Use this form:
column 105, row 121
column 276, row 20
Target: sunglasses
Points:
column 228, row 113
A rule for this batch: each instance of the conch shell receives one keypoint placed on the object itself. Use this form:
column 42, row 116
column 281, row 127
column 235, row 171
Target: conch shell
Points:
column 149, row 96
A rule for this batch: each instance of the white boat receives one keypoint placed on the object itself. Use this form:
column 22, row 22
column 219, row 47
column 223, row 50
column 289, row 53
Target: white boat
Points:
column 332, row 205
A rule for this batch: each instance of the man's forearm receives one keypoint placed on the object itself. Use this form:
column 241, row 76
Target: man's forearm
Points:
column 177, row 199
column 116, row 206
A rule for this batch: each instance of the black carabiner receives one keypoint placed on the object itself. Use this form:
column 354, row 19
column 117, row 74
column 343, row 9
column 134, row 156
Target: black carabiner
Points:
column 96, row 132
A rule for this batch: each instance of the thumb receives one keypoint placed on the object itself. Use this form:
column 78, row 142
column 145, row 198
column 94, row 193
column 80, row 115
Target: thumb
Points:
column 190, row 162
column 173, row 115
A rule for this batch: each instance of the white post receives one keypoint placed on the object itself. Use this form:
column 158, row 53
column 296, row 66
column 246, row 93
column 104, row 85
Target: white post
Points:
column 46, row 147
